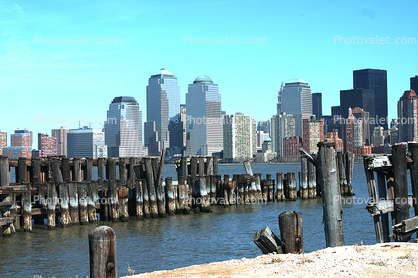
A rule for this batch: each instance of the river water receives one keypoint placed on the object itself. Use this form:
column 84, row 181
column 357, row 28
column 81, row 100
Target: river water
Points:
column 182, row 240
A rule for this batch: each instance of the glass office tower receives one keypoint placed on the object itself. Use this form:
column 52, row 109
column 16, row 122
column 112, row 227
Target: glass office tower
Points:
column 204, row 123
column 123, row 128
column 163, row 102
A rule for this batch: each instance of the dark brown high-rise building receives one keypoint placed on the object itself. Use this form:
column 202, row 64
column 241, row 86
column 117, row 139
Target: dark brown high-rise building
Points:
column 414, row 83
column 376, row 80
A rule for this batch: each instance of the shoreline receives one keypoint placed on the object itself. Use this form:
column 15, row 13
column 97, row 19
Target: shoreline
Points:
column 392, row 259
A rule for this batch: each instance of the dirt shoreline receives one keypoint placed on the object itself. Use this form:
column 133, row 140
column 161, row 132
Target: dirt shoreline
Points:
column 379, row 260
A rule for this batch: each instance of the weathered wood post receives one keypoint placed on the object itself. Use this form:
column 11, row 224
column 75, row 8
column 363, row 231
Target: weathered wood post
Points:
column 82, row 202
column 193, row 166
column 213, row 189
column 293, row 194
column 88, row 175
column 285, row 186
column 215, row 165
column 291, row 231
column 151, row 187
column 341, row 172
column 183, row 166
column 399, row 166
column 228, row 192
column 201, row 166
column 331, row 195
column 247, row 167
column 257, row 179
column 64, row 199
column 303, row 180
column 413, row 149
column 169, row 196
column 102, row 249
column 65, row 165
column 349, row 170
column 208, row 166
column 73, row 195
column 311, row 180
column 27, row 209
column 280, row 191
column 159, row 184
column 51, row 203
column 381, row 185
column 4, row 171
column 77, row 169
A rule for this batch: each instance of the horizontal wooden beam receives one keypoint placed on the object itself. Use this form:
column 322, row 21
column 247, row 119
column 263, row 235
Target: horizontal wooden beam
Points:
column 405, row 228
column 384, row 206
column 13, row 189
column 6, row 204
column 6, row 220
column 305, row 154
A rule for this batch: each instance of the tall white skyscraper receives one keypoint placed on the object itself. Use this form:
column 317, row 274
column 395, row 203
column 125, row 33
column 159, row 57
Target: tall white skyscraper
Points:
column 163, row 103
column 123, row 128
column 297, row 100
column 240, row 137
column 204, row 123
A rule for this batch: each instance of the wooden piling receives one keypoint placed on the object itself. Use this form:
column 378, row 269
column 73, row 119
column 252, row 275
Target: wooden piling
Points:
column 159, row 186
column 399, row 166
column 413, row 149
column 66, row 172
column 27, row 209
column 169, row 196
column 82, row 202
column 311, row 181
column 102, row 250
column 123, row 172
column 51, row 203
column 151, row 188
column 341, row 172
column 381, row 185
column 113, row 201
column 215, row 165
column 77, row 169
column 331, row 195
column 123, row 197
column 100, row 171
column 4, row 171
column 208, row 166
column 183, row 166
column 73, row 194
column 201, row 166
column 280, row 191
column 181, row 193
column 293, row 194
column 193, row 166
column 257, row 179
column 64, row 198
column 286, row 186
column 349, row 175
column 291, row 231
column 212, row 188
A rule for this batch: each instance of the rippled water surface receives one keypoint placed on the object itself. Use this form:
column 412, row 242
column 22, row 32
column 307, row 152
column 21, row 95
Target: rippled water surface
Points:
column 181, row 240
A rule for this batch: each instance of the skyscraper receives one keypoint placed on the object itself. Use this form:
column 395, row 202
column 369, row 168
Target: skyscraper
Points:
column 317, row 105
column 297, row 101
column 177, row 129
column 203, row 117
column 86, row 142
column 408, row 117
column 414, row 83
column 239, row 137
column 61, row 135
column 163, row 103
column 282, row 126
column 279, row 99
column 376, row 80
column 362, row 98
column 123, row 128
column 3, row 140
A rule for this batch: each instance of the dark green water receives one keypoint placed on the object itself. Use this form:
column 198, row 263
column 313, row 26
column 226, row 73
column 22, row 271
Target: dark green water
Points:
column 181, row 240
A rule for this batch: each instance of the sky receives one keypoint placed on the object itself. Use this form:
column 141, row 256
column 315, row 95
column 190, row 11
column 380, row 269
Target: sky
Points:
column 47, row 80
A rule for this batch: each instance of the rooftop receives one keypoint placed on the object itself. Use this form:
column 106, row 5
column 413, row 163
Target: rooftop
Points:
column 296, row 80
column 124, row 99
column 163, row 72
column 203, row 79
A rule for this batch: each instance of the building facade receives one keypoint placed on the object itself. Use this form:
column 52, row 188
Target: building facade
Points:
column 3, row 141
column 123, row 128
column 313, row 133
column 317, row 105
column 204, row 123
column 282, row 125
column 20, row 144
column 408, row 117
column 297, row 101
column 239, row 137
column 47, row 145
column 163, row 103
column 291, row 146
column 177, row 129
column 86, row 142
column 61, row 136
column 414, row 83
column 375, row 80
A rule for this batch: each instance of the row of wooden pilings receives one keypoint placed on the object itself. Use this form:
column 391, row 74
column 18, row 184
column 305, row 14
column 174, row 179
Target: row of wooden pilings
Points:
column 63, row 190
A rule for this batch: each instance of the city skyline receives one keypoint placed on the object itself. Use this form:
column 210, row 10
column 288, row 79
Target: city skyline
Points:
column 72, row 82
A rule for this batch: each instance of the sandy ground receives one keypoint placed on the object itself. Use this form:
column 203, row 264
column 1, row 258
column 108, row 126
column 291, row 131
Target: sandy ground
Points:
column 379, row 260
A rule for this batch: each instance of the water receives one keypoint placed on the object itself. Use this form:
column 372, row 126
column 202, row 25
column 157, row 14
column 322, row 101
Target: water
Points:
column 182, row 240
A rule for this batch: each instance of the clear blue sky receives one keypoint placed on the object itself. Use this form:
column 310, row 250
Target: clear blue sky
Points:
column 43, row 85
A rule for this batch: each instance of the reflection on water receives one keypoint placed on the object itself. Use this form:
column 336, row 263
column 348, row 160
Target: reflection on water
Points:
column 180, row 240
